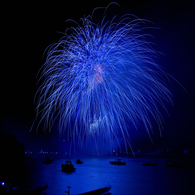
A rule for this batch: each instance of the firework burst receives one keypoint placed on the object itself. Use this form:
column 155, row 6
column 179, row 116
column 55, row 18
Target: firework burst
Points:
column 100, row 78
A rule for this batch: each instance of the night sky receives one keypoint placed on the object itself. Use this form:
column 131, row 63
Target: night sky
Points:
column 28, row 28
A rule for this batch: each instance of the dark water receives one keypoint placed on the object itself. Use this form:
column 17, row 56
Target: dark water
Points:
column 132, row 178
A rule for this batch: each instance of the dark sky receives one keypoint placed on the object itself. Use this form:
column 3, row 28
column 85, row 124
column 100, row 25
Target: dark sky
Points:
column 28, row 28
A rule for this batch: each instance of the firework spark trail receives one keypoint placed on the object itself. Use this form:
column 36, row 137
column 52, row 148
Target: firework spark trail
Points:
column 101, row 77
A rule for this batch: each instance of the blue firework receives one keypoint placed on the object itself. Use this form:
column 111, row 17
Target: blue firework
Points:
column 100, row 78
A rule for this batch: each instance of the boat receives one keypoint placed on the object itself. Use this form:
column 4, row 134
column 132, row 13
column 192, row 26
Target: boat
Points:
column 174, row 164
column 100, row 191
column 149, row 164
column 36, row 190
column 118, row 162
column 47, row 161
column 8, row 189
column 68, row 167
column 79, row 161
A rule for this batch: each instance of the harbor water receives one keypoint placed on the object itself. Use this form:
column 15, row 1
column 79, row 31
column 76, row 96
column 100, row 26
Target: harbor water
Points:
column 132, row 178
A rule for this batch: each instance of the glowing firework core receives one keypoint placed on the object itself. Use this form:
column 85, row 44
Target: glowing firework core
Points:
column 97, row 78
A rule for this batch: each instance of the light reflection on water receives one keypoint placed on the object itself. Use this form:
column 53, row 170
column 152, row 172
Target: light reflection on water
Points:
column 132, row 178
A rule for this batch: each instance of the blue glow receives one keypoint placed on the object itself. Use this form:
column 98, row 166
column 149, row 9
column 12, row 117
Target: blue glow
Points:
column 100, row 78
